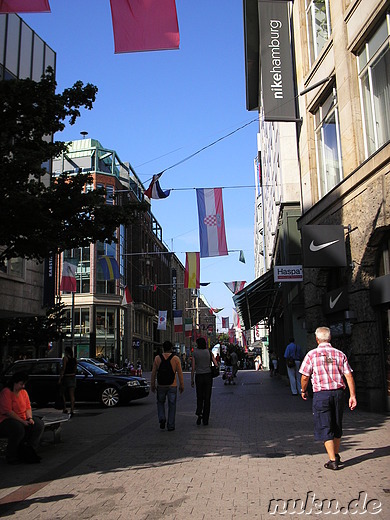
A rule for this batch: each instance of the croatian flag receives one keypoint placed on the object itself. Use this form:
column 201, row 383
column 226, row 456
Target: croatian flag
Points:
column 154, row 191
column 24, row 6
column 68, row 279
column 178, row 321
column 211, row 222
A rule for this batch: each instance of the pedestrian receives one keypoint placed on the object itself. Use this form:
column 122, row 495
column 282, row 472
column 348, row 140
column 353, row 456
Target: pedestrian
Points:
column 234, row 360
column 273, row 368
column 67, row 380
column 17, row 422
column 293, row 357
column 327, row 367
column 258, row 363
column 202, row 378
column 166, row 367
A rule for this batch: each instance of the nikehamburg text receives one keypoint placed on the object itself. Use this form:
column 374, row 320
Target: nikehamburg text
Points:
column 315, row 506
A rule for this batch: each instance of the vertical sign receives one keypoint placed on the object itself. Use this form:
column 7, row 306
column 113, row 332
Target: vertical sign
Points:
column 174, row 290
column 276, row 62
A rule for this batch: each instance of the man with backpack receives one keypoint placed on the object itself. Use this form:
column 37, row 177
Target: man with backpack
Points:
column 165, row 368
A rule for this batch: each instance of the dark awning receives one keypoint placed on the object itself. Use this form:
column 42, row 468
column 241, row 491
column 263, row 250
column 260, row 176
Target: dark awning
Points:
column 255, row 302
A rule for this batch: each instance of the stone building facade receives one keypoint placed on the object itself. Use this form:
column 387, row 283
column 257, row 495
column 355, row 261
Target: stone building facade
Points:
column 344, row 155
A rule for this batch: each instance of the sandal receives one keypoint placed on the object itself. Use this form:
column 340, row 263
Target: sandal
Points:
column 331, row 464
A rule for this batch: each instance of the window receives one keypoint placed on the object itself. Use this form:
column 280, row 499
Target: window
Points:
column 328, row 148
column 13, row 267
column 81, row 258
column 318, row 26
column 374, row 76
column 81, row 323
column 384, row 260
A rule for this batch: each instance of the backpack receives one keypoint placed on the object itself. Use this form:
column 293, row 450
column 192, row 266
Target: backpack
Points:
column 165, row 373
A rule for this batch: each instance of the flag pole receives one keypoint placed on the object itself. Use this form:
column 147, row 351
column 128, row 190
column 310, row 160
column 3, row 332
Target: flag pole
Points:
column 72, row 329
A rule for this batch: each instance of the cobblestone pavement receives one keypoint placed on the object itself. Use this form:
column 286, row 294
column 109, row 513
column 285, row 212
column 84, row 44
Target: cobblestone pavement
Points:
column 256, row 454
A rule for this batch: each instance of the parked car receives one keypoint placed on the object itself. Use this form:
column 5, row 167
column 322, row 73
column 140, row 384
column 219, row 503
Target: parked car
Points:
column 93, row 383
column 94, row 361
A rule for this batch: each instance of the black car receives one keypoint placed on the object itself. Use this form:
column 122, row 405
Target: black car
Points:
column 93, row 383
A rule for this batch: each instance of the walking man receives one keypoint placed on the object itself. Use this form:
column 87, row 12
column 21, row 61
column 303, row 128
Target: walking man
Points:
column 293, row 356
column 166, row 366
column 326, row 367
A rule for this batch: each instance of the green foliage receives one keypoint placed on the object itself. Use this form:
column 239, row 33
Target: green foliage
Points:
column 39, row 217
column 34, row 331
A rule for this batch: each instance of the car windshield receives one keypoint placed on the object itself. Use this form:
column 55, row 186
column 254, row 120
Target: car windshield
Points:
column 94, row 369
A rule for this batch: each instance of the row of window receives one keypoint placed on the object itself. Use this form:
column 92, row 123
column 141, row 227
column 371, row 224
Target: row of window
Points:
column 373, row 69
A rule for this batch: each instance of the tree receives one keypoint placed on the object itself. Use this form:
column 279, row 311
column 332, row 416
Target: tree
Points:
column 34, row 331
column 37, row 216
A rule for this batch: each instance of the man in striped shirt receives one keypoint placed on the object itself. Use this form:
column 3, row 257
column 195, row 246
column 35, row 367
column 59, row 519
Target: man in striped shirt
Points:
column 326, row 367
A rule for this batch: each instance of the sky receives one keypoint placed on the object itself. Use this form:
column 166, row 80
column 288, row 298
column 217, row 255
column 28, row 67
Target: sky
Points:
column 157, row 108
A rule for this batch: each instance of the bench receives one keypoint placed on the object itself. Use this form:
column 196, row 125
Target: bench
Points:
column 53, row 423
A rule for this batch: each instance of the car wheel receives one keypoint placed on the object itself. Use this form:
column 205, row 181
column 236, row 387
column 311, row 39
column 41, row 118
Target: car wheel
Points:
column 110, row 396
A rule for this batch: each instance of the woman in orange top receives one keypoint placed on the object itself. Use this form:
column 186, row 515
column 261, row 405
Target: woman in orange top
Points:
column 17, row 423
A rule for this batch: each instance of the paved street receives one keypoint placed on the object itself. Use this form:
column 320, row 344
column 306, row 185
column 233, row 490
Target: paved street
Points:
column 257, row 449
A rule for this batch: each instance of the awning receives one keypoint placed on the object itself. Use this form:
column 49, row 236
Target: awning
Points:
column 255, row 302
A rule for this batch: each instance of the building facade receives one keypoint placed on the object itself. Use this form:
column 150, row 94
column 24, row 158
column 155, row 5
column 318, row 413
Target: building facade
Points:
column 100, row 323
column 23, row 54
column 343, row 46
column 341, row 77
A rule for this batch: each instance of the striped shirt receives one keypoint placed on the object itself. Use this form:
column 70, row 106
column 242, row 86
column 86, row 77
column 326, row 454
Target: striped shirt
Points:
column 326, row 367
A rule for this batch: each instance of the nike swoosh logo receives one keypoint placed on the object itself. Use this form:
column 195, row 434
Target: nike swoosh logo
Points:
column 315, row 248
column 332, row 303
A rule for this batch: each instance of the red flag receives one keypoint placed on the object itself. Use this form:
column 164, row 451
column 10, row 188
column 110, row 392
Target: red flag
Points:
column 192, row 271
column 127, row 297
column 24, row 6
column 144, row 25
column 68, row 279
column 225, row 323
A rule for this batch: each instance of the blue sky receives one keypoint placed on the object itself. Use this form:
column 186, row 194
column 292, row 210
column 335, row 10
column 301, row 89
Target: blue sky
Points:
column 156, row 108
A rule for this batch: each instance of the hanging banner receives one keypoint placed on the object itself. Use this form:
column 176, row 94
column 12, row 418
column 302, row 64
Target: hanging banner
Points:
column 192, row 271
column 276, row 62
column 212, row 236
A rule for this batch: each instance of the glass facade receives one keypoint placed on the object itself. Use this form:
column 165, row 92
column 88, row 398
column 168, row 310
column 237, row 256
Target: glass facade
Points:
column 23, row 54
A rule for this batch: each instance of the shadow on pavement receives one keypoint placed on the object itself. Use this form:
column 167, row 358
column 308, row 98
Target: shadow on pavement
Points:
column 255, row 418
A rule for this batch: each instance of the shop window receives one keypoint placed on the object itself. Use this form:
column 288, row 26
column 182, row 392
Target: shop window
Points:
column 318, row 26
column 328, row 147
column 374, row 76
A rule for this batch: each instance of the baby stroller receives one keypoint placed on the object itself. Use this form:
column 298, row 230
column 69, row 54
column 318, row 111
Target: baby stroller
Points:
column 228, row 376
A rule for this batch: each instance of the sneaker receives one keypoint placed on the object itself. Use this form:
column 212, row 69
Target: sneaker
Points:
column 331, row 464
column 162, row 425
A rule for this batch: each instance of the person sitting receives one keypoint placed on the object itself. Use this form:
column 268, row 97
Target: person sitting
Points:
column 17, row 423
